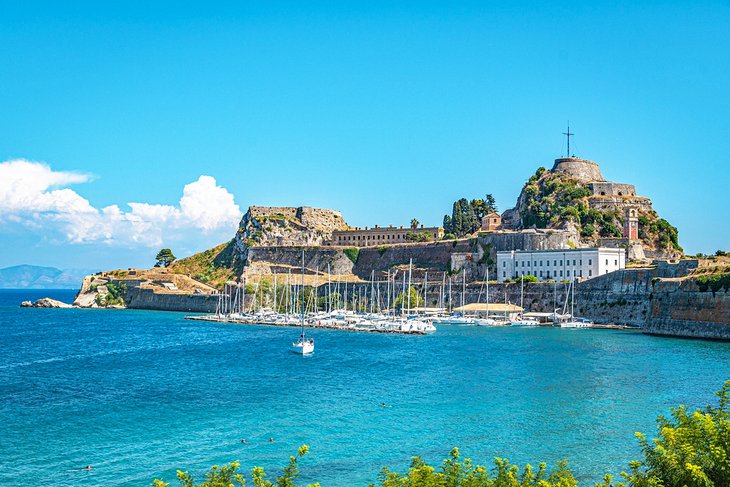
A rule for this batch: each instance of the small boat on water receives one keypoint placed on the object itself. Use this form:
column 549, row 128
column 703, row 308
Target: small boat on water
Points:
column 574, row 322
column 520, row 319
column 303, row 346
column 577, row 323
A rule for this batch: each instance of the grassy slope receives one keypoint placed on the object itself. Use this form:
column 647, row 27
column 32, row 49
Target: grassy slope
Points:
column 213, row 266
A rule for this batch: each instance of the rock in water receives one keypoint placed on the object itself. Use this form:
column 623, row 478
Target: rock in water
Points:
column 45, row 303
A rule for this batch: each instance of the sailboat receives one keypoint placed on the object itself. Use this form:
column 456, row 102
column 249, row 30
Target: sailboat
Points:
column 574, row 322
column 521, row 320
column 303, row 346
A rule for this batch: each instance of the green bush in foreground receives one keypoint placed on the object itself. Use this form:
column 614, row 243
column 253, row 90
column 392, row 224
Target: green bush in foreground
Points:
column 228, row 476
column 692, row 450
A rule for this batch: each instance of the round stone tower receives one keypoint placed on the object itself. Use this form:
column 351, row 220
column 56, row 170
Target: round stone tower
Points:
column 581, row 169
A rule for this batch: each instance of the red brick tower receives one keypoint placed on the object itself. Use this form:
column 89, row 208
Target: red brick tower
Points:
column 631, row 224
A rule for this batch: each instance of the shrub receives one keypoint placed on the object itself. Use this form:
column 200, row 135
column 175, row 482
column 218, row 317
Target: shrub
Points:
column 588, row 230
column 714, row 282
column 418, row 237
column 352, row 253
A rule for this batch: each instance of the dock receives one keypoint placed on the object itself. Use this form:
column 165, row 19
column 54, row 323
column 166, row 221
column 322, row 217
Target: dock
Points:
column 224, row 319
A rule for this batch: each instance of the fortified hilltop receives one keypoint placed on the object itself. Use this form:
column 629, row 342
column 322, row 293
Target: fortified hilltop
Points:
column 574, row 195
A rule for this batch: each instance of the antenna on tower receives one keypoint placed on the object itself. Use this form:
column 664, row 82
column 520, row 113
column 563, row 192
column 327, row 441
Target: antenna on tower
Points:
column 568, row 134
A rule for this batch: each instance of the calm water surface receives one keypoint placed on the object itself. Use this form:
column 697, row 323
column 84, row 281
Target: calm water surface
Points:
column 139, row 394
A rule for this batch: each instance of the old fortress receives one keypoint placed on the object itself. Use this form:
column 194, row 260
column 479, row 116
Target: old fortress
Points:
column 511, row 243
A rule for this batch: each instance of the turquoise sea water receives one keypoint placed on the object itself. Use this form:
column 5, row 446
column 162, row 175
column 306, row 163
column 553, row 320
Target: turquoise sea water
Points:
column 137, row 394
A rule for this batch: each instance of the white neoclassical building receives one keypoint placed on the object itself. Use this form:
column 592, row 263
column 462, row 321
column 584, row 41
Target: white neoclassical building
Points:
column 559, row 264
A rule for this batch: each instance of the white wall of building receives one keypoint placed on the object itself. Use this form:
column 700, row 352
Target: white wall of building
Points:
column 560, row 264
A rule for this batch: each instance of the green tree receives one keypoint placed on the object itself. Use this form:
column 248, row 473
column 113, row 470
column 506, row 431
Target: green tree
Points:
column 415, row 223
column 692, row 450
column 165, row 257
column 401, row 301
column 447, row 224
column 455, row 472
column 479, row 207
column 491, row 204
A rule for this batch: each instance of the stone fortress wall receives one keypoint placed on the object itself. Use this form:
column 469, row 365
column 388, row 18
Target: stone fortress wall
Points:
column 264, row 211
column 314, row 218
column 581, row 169
column 605, row 188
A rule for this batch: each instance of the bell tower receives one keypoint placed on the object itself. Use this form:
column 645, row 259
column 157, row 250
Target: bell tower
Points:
column 631, row 224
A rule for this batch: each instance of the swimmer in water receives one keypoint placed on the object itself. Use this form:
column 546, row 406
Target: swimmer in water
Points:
column 382, row 404
column 271, row 440
column 244, row 441
column 88, row 467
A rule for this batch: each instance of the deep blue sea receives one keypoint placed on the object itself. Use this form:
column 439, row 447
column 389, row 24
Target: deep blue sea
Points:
column 139, row 394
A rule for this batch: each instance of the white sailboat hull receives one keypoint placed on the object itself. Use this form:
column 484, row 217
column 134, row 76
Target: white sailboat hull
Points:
column 524, row 322
column 303, row 347
column 575, row 324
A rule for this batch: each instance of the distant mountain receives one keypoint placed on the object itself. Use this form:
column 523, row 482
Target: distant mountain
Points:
column 37, row 277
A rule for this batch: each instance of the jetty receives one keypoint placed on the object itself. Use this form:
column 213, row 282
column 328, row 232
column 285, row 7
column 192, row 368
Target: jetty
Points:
column 393, row 328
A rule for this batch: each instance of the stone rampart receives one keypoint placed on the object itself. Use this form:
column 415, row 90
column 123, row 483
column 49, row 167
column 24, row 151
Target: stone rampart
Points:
column 620, row 203
column 605, row 188
column 530, row 240
column 679, row 308
column 145, row 298
column 267, row 260
column 266, row 211
column 321, row 218
column 581, row 169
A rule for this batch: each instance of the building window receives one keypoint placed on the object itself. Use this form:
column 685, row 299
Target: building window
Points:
column 580, row 261
column 540, row 263
column 573, row 261
column 561, row 262
column 580, row 273
column 590, row 261
column 504, row 274
column 504, row 263
column 567, row 274
column 540, row 273
column 561, row 273
column 590, row 272
column 555, row 263
column 606, row 261
column 615, row 262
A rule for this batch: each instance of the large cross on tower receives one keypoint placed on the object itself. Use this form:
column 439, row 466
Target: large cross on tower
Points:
column 568, row 134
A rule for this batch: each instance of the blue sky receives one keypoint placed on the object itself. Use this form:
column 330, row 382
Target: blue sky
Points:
column 383, row 112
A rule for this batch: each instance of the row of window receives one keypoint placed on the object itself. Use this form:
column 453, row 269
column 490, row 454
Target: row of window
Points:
column 555, row 262
column 374, row 237
column 547, row 262
column 388, row 236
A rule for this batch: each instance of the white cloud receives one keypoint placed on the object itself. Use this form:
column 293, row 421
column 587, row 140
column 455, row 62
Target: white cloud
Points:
column 35, row 196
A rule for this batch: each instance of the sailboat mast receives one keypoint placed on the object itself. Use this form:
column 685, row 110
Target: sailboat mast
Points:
column 302, row 300
column 329, row 289
column 463, row 286
column 487, row 273
column 387, row 290
column 425, row 289
column 410, row 264
column 403, row 295
column 522, row 291
column 443, row 290
column 450, row 305
column 572, row 301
